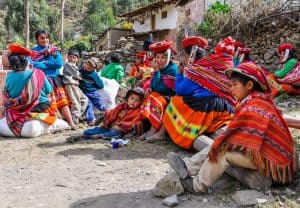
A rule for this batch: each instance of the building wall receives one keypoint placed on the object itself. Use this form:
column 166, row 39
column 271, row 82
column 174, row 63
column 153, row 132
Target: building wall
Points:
column 160, row 24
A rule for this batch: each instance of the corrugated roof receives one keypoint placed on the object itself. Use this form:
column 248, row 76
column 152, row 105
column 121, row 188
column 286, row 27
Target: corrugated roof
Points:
column 151, row 6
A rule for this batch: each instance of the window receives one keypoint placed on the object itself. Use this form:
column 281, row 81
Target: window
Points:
column 164, row 14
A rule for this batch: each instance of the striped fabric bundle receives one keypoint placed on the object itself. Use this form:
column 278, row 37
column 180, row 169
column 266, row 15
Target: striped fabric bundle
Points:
column 211, row 79
column 219, row 62
column 259, row 131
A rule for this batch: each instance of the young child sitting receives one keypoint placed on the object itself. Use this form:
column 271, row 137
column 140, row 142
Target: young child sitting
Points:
column 257, row 138
column 71, row 78
column 89, row 84
column 119, row 121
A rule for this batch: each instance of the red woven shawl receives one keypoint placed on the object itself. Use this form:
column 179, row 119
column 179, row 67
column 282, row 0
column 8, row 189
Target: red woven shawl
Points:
column 211, row 79
column 259, row 130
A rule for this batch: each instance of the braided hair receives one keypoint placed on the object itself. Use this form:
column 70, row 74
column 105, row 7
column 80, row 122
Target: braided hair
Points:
column 17, row 62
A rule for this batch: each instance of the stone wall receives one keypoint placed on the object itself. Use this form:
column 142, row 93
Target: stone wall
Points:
column 266, row 36
column 125, row 47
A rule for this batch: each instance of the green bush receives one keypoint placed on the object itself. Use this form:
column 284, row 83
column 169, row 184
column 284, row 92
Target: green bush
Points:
column 215, row 18
column 219, row 7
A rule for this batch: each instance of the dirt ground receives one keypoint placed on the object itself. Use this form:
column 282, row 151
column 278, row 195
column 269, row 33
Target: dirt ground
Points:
column 48, row 172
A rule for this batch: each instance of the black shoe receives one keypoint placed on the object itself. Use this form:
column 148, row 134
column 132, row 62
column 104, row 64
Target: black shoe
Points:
column 75, row 138
column 177, row 164
column 187, row 184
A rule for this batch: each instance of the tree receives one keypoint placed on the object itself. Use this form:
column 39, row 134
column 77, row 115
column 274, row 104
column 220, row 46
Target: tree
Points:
column 27, row 30
column 100, row 17
column 62, row 7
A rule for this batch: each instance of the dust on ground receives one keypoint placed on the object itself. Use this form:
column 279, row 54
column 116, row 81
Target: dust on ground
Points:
column 48, row 172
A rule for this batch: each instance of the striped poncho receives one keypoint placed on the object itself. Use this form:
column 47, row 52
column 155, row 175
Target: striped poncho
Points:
column 259, row 131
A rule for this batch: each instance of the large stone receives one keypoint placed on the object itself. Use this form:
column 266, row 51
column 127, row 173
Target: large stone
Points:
column 171, row 201
column 168, row 185
column 251, row 178
column 251, row 197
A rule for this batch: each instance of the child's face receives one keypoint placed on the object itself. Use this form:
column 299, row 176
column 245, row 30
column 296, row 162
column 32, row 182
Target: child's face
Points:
column 133, row 101
column 87, row 66
column 43, row 40
column 239, row 90
column 72, row 59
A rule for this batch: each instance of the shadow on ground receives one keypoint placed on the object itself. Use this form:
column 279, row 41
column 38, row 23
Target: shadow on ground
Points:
column 102, row 150
column 145, row 199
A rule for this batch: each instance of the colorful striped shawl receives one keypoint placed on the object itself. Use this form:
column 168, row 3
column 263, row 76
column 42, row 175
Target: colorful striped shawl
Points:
column 17, row 110
column 211, row 79
column 259, row 130
column 293, row 77
column 218, row 61
column 40, row 55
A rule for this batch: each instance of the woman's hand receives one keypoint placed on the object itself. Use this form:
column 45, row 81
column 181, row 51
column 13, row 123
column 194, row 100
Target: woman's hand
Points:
column 154, row 65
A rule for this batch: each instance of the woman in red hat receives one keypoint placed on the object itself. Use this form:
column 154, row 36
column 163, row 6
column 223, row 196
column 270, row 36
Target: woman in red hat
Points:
column 222, row 59
column 48, row 58
column 199, row 105
column 287, row 78
column 257, row 138
column 161, row 89
column 141, row 71
column 24, row 90
column 242, row 56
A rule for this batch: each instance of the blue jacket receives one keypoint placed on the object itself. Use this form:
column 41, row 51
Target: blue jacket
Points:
column 51, row 64
column 157, row 84
column 90, row 81
column 186, row 87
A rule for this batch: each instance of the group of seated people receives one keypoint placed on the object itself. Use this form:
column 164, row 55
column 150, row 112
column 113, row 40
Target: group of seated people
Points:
column 184, row 101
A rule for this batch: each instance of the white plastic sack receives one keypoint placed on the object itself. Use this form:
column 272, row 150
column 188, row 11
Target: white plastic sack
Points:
column 33, row 128
column 109, row 92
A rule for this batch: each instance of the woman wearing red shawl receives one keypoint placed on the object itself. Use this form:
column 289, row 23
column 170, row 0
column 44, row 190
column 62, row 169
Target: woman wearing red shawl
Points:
column 48, row 58
column 223, row 57
column 161, row 89
column 287, row 78
column 24, row 89
column 199, row 106
column 257, row 138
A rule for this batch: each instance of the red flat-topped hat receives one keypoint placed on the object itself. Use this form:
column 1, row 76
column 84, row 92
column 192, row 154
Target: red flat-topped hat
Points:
column 141, row 54
column 194, row 40
column 18, row 49
column 252, row 71
column 284, row 46
column 245, row 50
column 162, row 46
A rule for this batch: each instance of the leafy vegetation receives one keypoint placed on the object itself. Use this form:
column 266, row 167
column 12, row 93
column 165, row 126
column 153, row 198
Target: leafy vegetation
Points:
column 215, row 18
column 86, row 18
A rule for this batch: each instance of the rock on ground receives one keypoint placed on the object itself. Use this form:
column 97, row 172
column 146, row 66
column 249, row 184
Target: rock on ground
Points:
column 251, row 197
column 171, row 201
column 168, row 185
